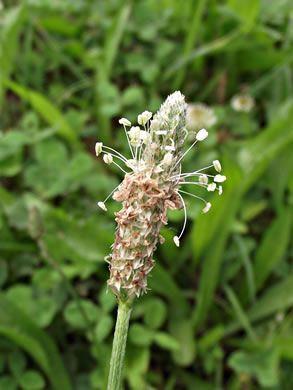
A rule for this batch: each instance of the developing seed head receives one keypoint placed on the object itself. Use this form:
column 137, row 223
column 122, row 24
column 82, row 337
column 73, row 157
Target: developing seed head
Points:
column 148, row 191
column 147, row 194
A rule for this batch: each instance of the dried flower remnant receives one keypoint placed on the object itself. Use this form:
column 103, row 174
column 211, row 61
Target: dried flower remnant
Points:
column 244, row 103
column 149, row 189
column 200, row 115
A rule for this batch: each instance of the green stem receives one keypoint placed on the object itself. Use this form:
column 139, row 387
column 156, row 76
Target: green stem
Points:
column 119, row 345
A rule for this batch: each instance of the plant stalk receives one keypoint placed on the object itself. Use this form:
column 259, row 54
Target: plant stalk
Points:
column 119, row 345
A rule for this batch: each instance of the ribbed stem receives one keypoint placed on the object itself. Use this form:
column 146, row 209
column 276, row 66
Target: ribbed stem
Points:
column 119, row 345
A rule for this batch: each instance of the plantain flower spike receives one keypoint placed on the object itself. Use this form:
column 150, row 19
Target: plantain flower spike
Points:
column 149, row 189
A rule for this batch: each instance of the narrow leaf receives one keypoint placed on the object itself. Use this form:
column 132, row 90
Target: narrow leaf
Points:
column 47, row 110
column 23, row 331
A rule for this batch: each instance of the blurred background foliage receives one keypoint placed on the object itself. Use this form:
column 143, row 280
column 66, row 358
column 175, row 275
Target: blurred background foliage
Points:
column 219, row 313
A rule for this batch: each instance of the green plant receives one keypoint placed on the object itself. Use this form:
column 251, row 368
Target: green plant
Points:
column 224, row 298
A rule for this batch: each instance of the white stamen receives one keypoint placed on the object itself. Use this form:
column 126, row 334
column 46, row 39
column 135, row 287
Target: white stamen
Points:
column 184, row 175
column 130, row 147
column 212, row 187
column 161, row 132
column 184, row 154
column 98, row 148
column 102, row 206
column 220, row 188
column 117, row 165
column 143, row 118
column 217, row 165
column 115, row 151
column 171, row 147
column 113, row 155
column 203, row 179
column 134, row 135
column 124, row 122
column 203, row 169
column 112, row 192
column 219, row 178
column 207, row 208
column 208, row 204
column 144, row 136
column 201, row 135
column 193, row 182
column 185, row 215
column 194, row 174
column 176, row 241
column 108, row 159
column 167, row 160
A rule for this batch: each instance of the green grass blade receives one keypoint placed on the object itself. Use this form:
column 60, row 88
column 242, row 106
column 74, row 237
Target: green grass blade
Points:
column 240, row 313
column 10, row 30
column 243, row 252
column 104, row 67
column 211, row 264
column 47, row 110
column 162, row 283
column 114, row 37
column 259, row 151
column 276, row 298
column 217, row 45
column 212, row 234
column 247, row 11
column 190, row 39
column 22, row 330
column 207, row 225
column 273, row 246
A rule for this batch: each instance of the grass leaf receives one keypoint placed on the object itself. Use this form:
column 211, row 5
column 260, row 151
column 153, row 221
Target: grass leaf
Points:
column 10, row 30
column 47, row 110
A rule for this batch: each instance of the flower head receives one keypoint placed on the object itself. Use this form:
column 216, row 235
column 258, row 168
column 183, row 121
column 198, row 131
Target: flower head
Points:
column 242, row 102
column 199, row 115
column 149, row 189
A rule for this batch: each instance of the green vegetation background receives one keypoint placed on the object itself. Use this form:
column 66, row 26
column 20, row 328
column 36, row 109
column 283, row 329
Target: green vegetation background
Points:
column 219, row 312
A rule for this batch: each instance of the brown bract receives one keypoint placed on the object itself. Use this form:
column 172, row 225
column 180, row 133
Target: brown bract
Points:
column 147, row 193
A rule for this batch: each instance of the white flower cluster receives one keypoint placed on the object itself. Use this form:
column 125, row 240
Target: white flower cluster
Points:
column 243, row 102
column 200, row 115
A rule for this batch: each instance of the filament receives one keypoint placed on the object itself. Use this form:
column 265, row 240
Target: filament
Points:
column 111, row 193
column 195, row 196
column 130, row 147
column 185, row 215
